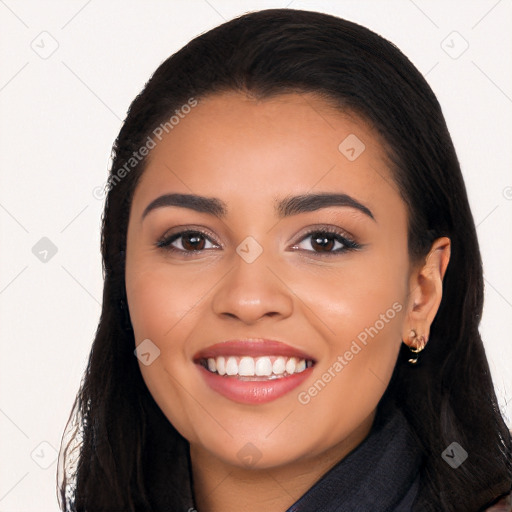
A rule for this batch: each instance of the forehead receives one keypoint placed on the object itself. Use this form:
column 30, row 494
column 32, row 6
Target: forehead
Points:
column 234, row 146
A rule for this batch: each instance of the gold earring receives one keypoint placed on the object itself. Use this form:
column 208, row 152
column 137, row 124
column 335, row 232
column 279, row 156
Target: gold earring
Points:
column 421, row 345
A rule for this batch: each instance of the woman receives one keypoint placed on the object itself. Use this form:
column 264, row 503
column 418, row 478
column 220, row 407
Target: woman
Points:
column 293, row 288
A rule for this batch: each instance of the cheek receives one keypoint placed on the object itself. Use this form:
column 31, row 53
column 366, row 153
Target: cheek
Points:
column 367, row 293
column 162, row 304
column 360, row 314
column 159, row 298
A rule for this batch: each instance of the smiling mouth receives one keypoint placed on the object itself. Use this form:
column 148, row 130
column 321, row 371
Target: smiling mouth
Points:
column 260, row 368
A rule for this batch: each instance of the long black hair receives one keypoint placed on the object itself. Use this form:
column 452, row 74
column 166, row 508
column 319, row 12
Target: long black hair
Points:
column 448, row 397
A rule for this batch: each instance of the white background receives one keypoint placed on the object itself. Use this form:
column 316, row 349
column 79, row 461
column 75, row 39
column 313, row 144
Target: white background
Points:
column 60, row 115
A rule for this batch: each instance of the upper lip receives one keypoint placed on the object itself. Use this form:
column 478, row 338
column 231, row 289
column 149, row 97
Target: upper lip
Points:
column 251, row 347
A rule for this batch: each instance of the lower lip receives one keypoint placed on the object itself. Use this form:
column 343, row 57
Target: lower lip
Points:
column 254, row 391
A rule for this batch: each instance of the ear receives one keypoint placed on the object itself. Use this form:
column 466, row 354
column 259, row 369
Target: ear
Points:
column 426, row 291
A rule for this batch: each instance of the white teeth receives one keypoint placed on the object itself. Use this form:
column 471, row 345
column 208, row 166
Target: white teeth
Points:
column 263, row 366
column 279, row 366
column 290, row 365
column 221, row 365
column 246, row 367
column 231, row 366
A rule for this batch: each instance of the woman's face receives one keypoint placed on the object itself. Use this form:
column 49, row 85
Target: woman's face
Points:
column 326, row 277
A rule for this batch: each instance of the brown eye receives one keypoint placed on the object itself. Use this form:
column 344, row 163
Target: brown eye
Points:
column 193, row 241
column 187, row 242
column 322, row 242
column 326, row 242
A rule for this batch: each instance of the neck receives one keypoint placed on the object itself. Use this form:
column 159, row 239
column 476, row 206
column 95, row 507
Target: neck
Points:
column 220, row 486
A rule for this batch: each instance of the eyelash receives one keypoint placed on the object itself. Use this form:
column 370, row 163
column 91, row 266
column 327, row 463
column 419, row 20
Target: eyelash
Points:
column 348, row 244
column 340, row 236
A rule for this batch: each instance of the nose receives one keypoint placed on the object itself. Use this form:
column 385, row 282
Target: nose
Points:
column 252, row 291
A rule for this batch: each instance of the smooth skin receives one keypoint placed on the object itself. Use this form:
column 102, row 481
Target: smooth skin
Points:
column 249, row 153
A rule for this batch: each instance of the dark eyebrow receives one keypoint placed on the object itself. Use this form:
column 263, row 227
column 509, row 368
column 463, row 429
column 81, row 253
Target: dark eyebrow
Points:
column 291, row 205
column 201, row 204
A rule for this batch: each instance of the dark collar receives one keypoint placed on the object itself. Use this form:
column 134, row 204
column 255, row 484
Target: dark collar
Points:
column 379, row 475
